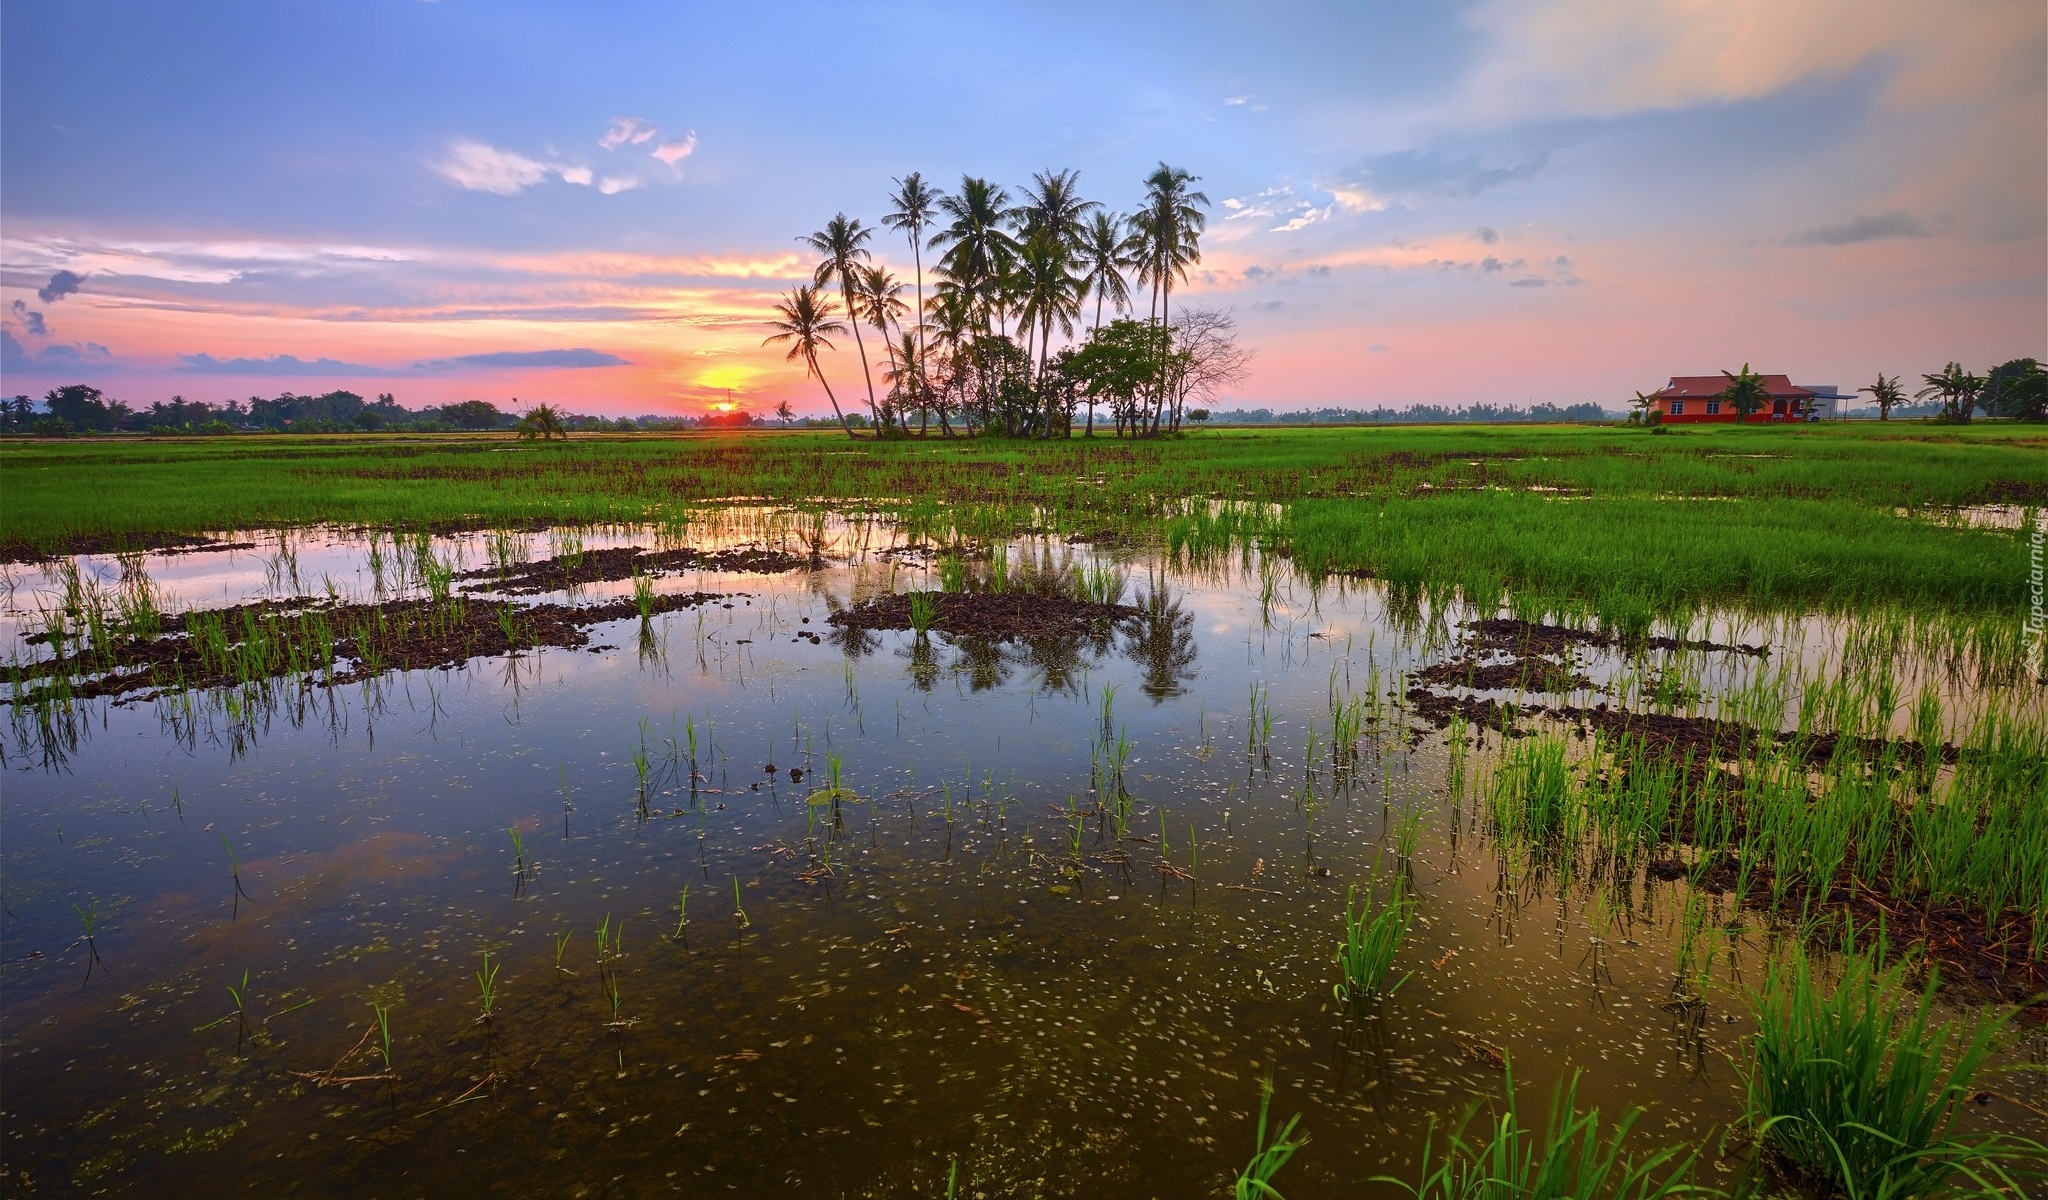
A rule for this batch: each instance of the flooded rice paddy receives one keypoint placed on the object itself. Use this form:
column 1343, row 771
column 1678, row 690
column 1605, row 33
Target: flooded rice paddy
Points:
column 771, row 893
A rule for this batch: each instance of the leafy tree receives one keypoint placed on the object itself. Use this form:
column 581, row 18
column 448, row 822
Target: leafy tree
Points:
column 472, row 414
column 784, row 413
column 1118, row 363
column 1745, row 390
column 843, row 245
column 805, row 323
column 1640, row 409
column 1886, row 394
column 85, row 409
column 2016, row 389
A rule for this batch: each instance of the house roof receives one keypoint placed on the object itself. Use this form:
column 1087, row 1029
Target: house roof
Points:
column 1688, row 387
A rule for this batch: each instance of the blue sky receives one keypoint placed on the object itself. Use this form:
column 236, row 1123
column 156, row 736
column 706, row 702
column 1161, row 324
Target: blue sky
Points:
column 1515, row 200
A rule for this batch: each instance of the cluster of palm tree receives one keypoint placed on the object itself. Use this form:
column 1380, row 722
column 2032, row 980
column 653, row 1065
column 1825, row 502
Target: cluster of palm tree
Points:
column 2016, row 389
column 1014, row 276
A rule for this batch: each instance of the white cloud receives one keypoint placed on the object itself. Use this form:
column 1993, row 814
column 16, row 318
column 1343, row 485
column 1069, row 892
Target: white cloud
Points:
column 1236, row 101
column 580, row 176
column 626, row 131
column 675, row 152
column 481, row 168
column 611, row 186
column 1307, row 216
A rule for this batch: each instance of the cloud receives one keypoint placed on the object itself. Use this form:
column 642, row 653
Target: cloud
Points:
column 1867, row 227
column 1307, row 215
column 612, row 186
column 1415, row 177
column 1255, row 273
column 522, row 359
column 1528, row 281
column 481, row 168
column 31, row 320
column 61, row 284
column 278, row 364
column 580, row 176
column 1488, row 234
column 1376, row 348
column 626, row 131
column 1236, row 101
column 672, row 153
column 15, row 357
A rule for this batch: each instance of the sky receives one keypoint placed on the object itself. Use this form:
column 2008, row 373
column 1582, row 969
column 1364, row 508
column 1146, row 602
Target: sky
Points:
column 1411, row 201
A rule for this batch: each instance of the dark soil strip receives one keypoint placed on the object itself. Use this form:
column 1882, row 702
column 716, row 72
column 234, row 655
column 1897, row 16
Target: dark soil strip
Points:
column 995, row 615
column 117, row 543
column 365, row 640
column 608, row 566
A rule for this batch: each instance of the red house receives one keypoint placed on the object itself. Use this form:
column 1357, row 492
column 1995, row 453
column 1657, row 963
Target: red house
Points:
column 1696, row 398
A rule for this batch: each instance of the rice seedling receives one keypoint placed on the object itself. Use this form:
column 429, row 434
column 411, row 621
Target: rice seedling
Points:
column 487, row 989
column 561, row 947
column 235, row 872
column 1571, row 1158
column 999, row 569
column 1408, row 832
column 1365, row 958
column 923, row 610
column 682, row 912
column 643, row 595
column 739, row 910
column 1856, row 1089
column 383, row 1013
column 1270, row 1153
column 518, row 848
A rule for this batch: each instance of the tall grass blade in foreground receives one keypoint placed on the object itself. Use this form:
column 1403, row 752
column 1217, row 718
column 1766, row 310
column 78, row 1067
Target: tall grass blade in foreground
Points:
column 1572, row 1159
column 1855, row 1089
column 1256, row 1181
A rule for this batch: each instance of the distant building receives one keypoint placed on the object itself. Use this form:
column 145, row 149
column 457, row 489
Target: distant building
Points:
column 1689, row 398
column 1829, row 402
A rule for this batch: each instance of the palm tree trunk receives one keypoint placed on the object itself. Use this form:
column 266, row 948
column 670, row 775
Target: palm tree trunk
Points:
column 846, row 293
column 917, row 256
column 829, row 396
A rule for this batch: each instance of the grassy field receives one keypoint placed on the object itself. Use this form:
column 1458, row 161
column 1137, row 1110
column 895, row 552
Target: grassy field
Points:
column 1621, row 520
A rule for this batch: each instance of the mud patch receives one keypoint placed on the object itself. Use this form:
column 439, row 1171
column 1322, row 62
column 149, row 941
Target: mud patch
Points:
column 609, row 566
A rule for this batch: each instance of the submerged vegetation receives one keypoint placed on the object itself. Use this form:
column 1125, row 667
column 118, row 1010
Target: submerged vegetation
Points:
column 1783, row 782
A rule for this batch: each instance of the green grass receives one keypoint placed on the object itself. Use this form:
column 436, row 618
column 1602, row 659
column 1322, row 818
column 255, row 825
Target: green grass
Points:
column 1572, row 1158
column 1811, row 524
column 1855, row 1089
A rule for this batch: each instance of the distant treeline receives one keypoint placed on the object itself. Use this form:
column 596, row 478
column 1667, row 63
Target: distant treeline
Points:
column 81, row 409
column 1419, row 414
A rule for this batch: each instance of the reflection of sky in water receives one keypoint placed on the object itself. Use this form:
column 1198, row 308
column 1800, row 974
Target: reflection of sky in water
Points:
column 954, row 987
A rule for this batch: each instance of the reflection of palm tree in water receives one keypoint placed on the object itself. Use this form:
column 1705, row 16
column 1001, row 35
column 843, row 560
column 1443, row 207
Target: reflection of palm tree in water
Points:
column 924, row 663
column 983, row 662
column 1162, row 643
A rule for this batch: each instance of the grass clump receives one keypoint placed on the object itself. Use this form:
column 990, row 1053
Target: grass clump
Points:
column 1365, row 958
column 1571, row 1158
column 1855, row 1089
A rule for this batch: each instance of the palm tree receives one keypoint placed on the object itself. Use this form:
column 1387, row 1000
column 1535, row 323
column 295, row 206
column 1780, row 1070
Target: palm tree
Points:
column 843, row 242
column 977, row 248
column 1644, row 406
column 1172, row 221
column 1105, row 251
column 806, row 321
column 1745, row 390
column 1050, row 292
column 914, row 206
column 542, row 421
column 1053, row 207
column 1886, row 393
column 881, row 301
column 1956, row 389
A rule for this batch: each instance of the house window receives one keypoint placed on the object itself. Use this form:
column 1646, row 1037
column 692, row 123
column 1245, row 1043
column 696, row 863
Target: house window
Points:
column 1713, row 407
column 1678, row 408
